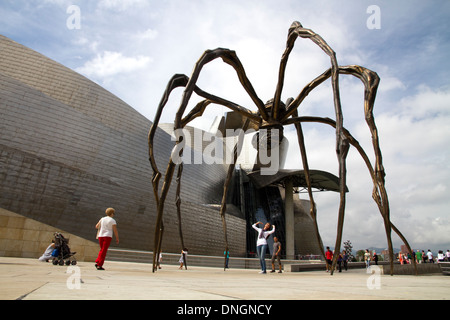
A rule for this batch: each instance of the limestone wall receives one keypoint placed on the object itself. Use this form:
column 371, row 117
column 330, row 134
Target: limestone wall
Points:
column 27, row 238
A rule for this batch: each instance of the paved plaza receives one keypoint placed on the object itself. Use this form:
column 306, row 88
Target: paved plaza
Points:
column 29, row 279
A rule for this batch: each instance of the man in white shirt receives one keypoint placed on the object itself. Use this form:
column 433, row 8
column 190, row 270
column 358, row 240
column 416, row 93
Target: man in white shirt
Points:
column 430, row 256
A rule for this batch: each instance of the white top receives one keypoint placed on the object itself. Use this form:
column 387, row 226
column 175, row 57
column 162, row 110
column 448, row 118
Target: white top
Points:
column 106, row 227
column 48, row 253
column 181, row 258
column 263, row 235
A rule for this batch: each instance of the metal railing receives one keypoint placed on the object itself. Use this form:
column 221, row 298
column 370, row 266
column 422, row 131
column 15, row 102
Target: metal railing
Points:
column 200, row 260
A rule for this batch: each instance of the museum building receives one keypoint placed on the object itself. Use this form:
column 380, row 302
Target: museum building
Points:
column 69, row 149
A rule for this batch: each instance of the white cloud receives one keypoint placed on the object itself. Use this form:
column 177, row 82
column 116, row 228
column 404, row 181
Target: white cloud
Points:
column 148, row 34
column 112, row 63
column 427, row 103
column 167, row 37
column 413, row 122
column 121, row 5
column 58, row 2
column 418, row 128
column 390, row 83
column 415, row 135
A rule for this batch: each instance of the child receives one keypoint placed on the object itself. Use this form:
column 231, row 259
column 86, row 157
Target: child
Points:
column 276, row 254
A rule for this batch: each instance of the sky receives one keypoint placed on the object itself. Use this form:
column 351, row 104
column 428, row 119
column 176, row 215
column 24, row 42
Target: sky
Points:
column 133, row 47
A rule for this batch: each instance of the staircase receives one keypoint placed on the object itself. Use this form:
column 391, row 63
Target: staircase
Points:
column 445, row 267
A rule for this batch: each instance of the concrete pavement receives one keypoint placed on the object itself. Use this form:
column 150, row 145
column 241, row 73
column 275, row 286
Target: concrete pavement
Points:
column 29, row 279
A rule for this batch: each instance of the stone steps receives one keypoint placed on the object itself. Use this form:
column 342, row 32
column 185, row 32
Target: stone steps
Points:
column 445, row 267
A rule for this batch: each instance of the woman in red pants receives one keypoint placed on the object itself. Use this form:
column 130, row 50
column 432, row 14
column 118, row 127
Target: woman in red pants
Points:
column 107, row 226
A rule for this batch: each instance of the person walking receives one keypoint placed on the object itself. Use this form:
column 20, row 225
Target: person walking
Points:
column 261, row 243
column 367, row 258
column 345, row 259
column 375, row 258
column 430, row 256
column 226, row 253
column 160, row 260
column 106, row 227
column 340, row 259
column 276, row 254
column 328, row 259
column 400, row 257
column 419, row 258
column 183, row 258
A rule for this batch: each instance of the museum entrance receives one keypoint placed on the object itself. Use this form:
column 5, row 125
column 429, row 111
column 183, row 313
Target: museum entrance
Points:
column 269, row 198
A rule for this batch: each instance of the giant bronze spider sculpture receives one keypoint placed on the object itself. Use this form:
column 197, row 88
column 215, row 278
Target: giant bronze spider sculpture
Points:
column 275, row 115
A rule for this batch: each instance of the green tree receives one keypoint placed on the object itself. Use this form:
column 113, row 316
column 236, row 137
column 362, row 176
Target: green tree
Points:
column 360, row 255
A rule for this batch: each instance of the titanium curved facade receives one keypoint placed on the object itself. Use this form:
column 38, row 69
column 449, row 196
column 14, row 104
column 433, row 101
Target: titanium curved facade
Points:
column 69, row 149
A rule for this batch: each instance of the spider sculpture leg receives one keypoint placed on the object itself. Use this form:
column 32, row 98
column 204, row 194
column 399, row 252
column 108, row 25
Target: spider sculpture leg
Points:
column 370, row 80
column 296, row 30
column 223, row 206
column 342, row 145
column 196, row 112
column 370, row 92
column 364, row 156
column 181, row 80
column 178, row 203
column 228, row 57
column 343, row 152
column 292, row 110
column 313, row 209
column 160, row 210
column 175, row 82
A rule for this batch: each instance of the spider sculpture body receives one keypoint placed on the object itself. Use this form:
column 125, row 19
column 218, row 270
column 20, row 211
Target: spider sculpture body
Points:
column 274, row 115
